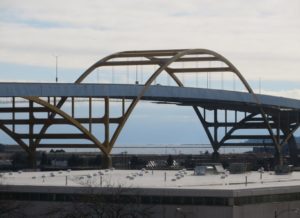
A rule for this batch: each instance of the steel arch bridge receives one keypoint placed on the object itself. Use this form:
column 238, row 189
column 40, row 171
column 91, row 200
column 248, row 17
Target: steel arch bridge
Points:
column 278, row 117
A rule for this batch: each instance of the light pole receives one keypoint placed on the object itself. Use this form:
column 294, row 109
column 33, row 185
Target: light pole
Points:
column 56, row 68
column 278, row 214
column 56, row 60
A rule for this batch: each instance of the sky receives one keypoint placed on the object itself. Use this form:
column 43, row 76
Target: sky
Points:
column 260, row 37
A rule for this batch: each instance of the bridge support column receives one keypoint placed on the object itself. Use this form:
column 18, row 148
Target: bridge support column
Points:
column 285, row 126
column 292, row 145
column 215, row 156
column 32, row 160
column 106, row 161
column 293, row 150
column 278, row 158
column 32, row 149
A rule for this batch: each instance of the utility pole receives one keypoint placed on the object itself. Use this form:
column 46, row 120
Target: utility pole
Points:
column 56, row 70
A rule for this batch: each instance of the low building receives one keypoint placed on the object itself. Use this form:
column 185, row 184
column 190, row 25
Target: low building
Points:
column 153, row 193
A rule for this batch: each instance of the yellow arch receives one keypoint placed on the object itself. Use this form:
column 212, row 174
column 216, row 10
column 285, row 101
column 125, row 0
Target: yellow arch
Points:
column 71, row 120
column 175, row 56
column 14, row 137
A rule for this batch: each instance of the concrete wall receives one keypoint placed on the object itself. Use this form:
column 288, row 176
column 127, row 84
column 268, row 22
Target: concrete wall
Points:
column 34, row 209
column 61, row 209
column 267, row 210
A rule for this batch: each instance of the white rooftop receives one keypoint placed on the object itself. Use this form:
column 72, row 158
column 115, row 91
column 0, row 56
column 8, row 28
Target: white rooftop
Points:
column 150, row 179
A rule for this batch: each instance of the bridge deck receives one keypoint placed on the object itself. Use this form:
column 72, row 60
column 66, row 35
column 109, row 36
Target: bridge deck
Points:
column 154, row 93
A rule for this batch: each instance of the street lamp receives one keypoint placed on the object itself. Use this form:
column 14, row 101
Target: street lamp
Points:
column 278, row 214
column 56, row 61
column 56, row 68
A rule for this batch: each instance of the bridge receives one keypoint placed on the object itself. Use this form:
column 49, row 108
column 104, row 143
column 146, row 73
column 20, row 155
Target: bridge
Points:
column 229, row 117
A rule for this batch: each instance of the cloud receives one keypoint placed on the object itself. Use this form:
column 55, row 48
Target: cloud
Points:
column 260, row 37
column 262, row 41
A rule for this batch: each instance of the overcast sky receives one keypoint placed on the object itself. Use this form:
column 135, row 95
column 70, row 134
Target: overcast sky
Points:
column 260, row 37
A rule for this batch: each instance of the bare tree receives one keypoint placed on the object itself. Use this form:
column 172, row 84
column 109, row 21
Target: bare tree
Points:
column 111, row 201
column 12, row 209
column 117, row 204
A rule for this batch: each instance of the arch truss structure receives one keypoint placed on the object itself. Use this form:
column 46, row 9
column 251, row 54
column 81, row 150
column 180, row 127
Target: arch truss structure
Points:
column 225, row 123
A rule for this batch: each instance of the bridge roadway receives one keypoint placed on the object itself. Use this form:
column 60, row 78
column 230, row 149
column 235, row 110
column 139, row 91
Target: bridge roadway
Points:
column 178, row 95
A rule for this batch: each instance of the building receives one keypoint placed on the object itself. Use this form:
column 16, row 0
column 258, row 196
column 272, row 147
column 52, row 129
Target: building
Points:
column 153, row 193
